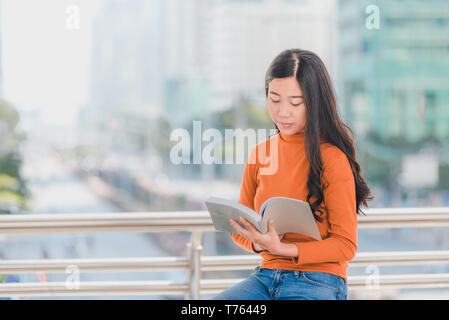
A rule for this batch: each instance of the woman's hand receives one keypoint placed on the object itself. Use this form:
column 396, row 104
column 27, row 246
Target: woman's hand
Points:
column 270, row 241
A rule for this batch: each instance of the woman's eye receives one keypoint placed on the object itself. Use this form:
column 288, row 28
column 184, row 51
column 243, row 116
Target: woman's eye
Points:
column 298, row 103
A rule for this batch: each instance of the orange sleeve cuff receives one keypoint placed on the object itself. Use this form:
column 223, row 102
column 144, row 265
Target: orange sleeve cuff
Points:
column 254, row 250
column 298, row 260
column 333, row 249
column 243, row 242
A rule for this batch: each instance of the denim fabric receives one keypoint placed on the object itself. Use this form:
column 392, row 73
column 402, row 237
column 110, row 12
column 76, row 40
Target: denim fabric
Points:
column 276, row 284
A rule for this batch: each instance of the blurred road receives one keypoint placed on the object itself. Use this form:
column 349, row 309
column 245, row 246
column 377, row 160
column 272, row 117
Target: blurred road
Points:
column 56, row 190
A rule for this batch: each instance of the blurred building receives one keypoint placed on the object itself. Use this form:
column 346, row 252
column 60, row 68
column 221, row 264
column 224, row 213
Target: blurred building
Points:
column 148, row 60
column 126, row 56
column 126, row 70
column 186, row 59
column 1, row 53
column 185, row 33
column 217, row 51
column 394, row 67
column 247, row 35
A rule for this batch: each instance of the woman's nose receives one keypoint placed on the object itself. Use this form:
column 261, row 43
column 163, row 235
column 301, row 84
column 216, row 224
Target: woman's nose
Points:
column 283, row 111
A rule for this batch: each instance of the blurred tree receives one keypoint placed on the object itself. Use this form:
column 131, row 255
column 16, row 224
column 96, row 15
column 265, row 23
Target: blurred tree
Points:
column 444, row 176
column 401, row 144
column 376, row 169
column 160, row 138
column 258, row 116
column 13, row 190
column 225, row 119
column 251, row 116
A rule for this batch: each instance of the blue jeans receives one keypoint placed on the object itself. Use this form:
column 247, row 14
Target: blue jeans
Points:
column 276, row 284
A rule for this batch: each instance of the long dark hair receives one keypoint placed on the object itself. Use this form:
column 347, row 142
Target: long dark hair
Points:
column 322, row 120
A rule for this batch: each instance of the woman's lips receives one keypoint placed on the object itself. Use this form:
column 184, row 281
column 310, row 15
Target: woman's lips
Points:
column 286, row 125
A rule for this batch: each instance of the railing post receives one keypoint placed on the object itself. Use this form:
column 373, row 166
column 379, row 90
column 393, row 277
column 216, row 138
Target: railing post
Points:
column 194, row 251
column 188, row 295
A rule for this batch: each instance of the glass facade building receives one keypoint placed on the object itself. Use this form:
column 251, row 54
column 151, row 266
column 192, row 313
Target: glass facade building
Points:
column 394, row 68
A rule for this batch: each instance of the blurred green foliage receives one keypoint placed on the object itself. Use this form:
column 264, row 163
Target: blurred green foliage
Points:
column 380, row 157
column 161, row 138
column 245, row 114
column 444, row 176
column 13, row 190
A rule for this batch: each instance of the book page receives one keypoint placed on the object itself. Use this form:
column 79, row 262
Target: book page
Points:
column 291, row 215
column 221, row 210
column 266, row 202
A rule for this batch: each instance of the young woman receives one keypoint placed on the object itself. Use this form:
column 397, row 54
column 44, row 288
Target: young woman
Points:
column 317, row 164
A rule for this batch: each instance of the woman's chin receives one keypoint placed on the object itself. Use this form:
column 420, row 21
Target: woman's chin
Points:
column 287, row 131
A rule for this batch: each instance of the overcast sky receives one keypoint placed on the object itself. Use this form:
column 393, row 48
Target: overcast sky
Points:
column 45, row 56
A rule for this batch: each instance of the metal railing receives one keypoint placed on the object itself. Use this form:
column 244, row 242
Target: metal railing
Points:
column 194, row 263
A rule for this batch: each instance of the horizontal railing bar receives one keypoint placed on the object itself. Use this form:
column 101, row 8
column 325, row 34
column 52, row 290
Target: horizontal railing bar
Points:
column 105, row 228
column 400, row 257
column 117, row 216
column 434, row 280
column 93, row 265
column 244, row 262
column 195, row 221
column 404, row 220
column 229, row 262
column 208, row 286
column 407, row 211
column 195, row 227
column 165, row 215
column 92, row 288
column 440, row 280
column 112, row 222
column 208, row 263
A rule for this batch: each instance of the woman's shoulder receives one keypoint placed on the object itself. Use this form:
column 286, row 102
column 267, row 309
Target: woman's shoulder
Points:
column 332, row 154
column 335, row 162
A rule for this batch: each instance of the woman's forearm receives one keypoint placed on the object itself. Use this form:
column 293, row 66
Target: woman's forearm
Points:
column 287, row 249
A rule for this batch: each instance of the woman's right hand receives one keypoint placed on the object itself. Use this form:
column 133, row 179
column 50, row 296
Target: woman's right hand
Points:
column 257, row 247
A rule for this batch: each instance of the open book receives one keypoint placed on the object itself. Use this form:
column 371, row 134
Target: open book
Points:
column 289, row 215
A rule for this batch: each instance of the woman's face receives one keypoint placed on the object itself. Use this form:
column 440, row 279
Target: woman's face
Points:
column 286, row 106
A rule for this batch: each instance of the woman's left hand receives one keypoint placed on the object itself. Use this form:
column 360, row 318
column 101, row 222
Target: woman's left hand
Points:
column 270, row 241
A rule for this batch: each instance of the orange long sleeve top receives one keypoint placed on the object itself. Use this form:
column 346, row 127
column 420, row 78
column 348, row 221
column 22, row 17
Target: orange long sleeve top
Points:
column 288, row 178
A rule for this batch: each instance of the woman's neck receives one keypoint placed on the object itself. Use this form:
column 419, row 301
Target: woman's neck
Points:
column 296, row 137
